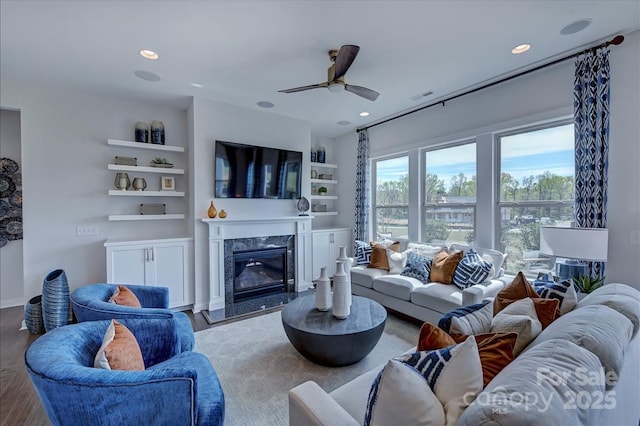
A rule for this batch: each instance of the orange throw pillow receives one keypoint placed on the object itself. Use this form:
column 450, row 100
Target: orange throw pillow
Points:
column 433, row 337
column 444, row 265
column 379, row 258
column 496, row 351
column 547, row 310
column 120, row 350
column 124, row 296
column 518, row 289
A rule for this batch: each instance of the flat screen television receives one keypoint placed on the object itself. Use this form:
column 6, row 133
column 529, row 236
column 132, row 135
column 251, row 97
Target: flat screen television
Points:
column 247, row 171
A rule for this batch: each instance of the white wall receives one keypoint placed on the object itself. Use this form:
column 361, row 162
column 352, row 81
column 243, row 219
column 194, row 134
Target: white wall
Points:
column 65, row 179
column 216, row 120
column 539, row 96
column 11, row 287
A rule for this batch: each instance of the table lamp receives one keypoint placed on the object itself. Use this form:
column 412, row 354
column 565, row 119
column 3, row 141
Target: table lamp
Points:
column 575, row 245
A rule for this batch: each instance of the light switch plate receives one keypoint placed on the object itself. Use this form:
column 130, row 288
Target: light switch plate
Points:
column 86, row 231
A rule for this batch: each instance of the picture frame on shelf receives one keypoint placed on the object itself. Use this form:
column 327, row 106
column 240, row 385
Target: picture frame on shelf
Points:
column 167, row 183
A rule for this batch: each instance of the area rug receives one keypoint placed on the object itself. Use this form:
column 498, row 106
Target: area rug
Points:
column 257, row 365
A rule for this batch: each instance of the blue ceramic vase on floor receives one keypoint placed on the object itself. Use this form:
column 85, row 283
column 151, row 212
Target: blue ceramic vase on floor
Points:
column 55, row 300
column 33, row 315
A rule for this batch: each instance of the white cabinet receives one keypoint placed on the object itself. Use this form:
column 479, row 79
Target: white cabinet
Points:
column 323, row 176
column 326, row 245
column 162, row 263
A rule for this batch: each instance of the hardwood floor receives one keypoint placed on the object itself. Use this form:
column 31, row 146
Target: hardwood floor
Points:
column 20, row 404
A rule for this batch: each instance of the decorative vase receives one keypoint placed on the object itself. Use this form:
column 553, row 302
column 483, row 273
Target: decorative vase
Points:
column 139, row 184
column 212, row 212
column 222, row 214
column 122, row 181
column 346, row 262
column 323, row 291
column 55, row 300
column 314, row 156
column 33, row 315
column 142, row 132
column 157, row 132
column 341, row 308
column 321, row 155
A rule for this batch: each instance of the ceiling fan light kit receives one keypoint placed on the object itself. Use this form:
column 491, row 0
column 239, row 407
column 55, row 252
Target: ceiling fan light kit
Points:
column 341, row 60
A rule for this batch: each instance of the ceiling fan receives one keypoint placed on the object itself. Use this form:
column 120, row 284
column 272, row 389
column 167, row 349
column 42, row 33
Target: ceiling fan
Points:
column 341, row 60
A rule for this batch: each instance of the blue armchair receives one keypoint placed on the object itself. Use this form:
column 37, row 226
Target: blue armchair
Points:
column 176, row 388
column 91, row 303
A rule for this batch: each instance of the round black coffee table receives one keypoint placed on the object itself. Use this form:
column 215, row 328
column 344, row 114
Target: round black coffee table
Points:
column 326, row 340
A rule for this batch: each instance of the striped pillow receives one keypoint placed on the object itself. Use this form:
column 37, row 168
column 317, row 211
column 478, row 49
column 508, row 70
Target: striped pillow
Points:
column 471, row 270
column 417, row 267
column 562, row 291
column 363, row 252
column 471, row 314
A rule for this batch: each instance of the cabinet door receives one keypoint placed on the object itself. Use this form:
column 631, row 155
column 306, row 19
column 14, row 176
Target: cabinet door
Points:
column 168, row 270
column 321, row 242
column 341, row 238
column 127, row 265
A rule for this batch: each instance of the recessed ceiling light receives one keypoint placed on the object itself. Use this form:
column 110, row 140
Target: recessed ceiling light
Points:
column 265, row 104
column 147, row 75
column 198, row 85
column 149, row 54
column 574, row 27
column 364, row 114
column 521, row 48
column 344, row 122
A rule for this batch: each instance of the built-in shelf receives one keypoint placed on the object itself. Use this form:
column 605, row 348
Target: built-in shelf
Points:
column 325, row 181
column 146, row 193
column 323, row 197
column 142, row 145
column 119, row 217
column 144, row 169
column 326, row 165
column 324, row 213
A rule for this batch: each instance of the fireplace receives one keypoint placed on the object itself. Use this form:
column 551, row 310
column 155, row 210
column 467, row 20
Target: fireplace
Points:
column 259, row 272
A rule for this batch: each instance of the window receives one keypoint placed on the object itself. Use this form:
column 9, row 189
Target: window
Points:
column 449, row 194
column 391, row 202
column 536, row 189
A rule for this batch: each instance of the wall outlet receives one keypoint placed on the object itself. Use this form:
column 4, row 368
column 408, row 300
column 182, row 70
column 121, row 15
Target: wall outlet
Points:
column 86, row 231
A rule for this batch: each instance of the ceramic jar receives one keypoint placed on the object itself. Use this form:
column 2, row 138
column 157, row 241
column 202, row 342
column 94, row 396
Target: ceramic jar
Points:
column 346, row 262
column 122, row 181
column 141, row 132
column 323, row 291
column 157, row 132
column 139, row 184
column 321, row 155
column 341, row 308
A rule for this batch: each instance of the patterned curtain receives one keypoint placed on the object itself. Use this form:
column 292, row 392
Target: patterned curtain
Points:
column 363, row 172
column 591, row 115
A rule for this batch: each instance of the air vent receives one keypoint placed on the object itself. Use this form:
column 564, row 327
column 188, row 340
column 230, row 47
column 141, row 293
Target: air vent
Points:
column 422, row 95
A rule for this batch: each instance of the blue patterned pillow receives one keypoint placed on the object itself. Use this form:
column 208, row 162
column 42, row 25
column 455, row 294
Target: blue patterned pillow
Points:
column 445, row 320
column 471, row 270
column 563, row 291
column 418, row 267
column 363, row 252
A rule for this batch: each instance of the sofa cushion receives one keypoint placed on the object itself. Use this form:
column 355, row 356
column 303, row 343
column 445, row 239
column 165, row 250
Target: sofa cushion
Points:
column 519, row 317
column 397, row 286
column 563, row 291
column 438, row 297
column 443, row 266
column 362, row 252
column 426, row 250
column 607, row 336
column 471, row 270
column 119, row 350
column 518, row 289
column 620, row 297
column 401, row 395
column 471, row 319
column 546, row 375
column 364, row 276
column 418, row 266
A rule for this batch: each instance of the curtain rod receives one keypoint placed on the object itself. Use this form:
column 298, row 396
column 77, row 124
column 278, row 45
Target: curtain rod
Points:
column 617, row 40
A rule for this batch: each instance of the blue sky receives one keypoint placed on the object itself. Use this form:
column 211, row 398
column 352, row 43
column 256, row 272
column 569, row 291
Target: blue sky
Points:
column 522, row 155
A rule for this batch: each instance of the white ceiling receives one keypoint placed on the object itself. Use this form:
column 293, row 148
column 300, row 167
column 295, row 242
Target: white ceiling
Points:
column 245, row 51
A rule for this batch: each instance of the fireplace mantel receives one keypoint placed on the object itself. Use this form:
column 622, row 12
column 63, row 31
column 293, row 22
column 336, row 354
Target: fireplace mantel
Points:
column 228, row 229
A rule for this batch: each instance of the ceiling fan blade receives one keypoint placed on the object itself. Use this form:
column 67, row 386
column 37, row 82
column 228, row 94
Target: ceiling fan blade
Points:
column 345, row 58
column 302, row 88
column 369, row 94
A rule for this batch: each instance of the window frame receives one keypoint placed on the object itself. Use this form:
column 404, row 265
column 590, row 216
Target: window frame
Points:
column 374, row 191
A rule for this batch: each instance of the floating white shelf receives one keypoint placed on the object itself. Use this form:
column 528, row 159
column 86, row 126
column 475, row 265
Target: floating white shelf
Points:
column 146, row 193
column 325, row 181
column 119, row 217
column 325, row 165
column 324, row 213
column 142, row 145
column 323, row 197
column 144, row 169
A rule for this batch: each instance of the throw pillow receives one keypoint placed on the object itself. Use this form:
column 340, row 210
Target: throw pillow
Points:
column 547, row 310
column 417, row 267
column 124, row 296
column 397, row 261
column 496, row 258
column 563, row 291
column 362, row 252
column 425, row 250
column 471, row 319
column 119, row 350
column 519, row 317
column 443, row 266
column 379, row 255
column 453, row 373
column 518, row 289
column 471, row 270
column 433, row 337
column 400, row 395
column 496, row 352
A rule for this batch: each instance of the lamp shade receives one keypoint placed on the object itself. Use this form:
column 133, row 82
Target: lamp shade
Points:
column 575, row 243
